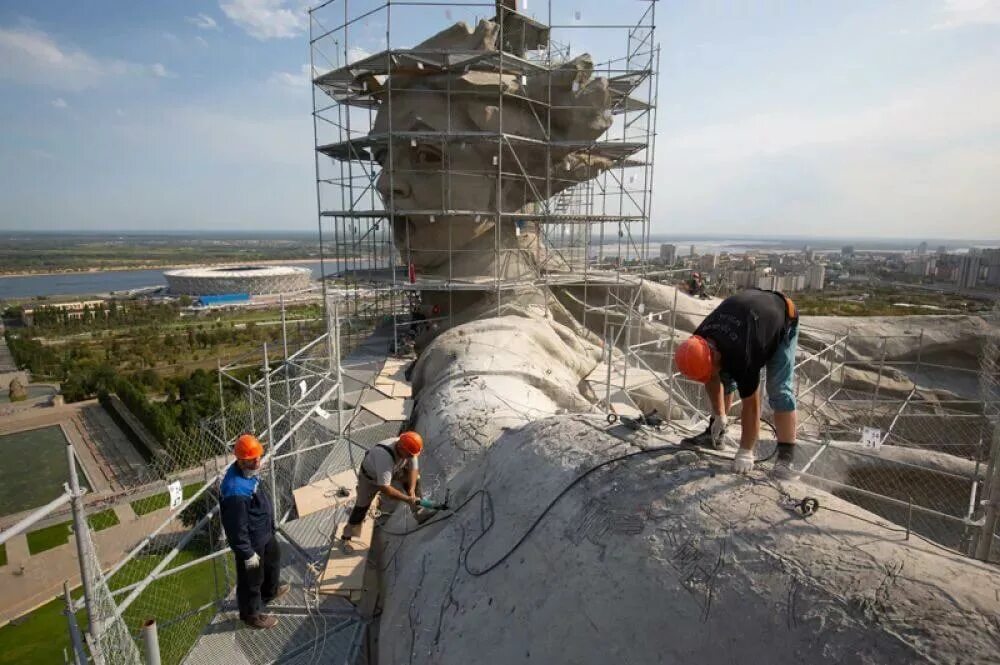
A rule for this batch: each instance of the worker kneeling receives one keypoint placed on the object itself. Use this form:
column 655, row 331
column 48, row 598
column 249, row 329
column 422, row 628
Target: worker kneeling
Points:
column 747, row 332
column 391, row 460
column 248, row 519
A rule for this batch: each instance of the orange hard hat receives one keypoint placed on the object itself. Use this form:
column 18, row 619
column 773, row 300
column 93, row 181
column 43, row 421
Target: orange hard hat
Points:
column 694, row 359
column 411, row 442
column 248, row 447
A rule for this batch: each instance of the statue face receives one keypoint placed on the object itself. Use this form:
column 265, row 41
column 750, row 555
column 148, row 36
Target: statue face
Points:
column 435, row 174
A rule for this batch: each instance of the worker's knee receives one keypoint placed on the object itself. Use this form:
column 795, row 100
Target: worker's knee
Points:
column 357, row 515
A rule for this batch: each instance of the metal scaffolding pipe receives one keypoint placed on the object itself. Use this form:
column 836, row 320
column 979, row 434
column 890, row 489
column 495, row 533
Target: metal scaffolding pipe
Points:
column 150, row 641
column 37, row 515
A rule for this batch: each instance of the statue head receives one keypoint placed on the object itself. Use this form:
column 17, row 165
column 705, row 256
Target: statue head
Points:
column 456, row 131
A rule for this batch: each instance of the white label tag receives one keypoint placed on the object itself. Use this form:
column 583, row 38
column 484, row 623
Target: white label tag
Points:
column 871, row 438
column 176, row 494
column 303, row 386
column 322, row 413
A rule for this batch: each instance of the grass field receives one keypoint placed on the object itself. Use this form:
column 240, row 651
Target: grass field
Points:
column 49, row 537
column 103, row 520
column 40, row 472
column 40, row 637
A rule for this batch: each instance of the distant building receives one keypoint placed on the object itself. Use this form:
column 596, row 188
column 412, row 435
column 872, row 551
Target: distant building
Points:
column 991, row 261
column 72, row 310
column 922, row 249
column 922, row 267
column 692, row 251
column 942, row 250
column 668, row 254
column 815, row 277
column 847, row 250
column 783, row 283
column 968, row 271
column 709, row 262
column 809, row 253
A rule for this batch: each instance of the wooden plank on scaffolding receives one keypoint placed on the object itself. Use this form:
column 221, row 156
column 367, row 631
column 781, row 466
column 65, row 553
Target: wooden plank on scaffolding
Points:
column 390, row 409
column 324, row 493
column 345, row 568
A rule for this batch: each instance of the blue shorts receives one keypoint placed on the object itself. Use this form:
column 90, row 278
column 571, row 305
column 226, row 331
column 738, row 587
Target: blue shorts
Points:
column 780, row 383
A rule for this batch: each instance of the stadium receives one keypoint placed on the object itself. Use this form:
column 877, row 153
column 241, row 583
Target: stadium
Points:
column 250, row 280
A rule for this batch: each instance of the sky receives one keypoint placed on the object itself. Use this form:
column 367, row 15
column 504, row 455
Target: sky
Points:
column 797, row 117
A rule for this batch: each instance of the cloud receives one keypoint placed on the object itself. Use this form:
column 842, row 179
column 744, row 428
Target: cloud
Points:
column 201, row 40
column 962, row 13
column 159, row 71
column 924, row 159
column 300, row 79
column 32, row 57
column 203, row 21
column 265, row 19
column 356, row 53
column 59, row 103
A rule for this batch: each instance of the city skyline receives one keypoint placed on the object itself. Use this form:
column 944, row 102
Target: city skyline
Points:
column 877, row 120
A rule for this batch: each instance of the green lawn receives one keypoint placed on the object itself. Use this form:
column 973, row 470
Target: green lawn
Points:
column 161, row 500
column 40, row 637
column 103, row 520
column 49, row 537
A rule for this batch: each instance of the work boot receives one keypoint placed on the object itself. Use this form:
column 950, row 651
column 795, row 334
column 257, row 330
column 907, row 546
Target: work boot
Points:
column 262, row 621
column 705, row 439
column 785, row 462
column 282, row 590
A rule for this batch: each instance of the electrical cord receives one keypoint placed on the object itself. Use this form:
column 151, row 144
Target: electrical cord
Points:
column 486, row 497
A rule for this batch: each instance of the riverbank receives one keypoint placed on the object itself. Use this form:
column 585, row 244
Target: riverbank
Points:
column 154, row 266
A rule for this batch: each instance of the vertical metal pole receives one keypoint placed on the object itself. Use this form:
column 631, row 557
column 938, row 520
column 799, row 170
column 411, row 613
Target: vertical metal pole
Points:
column 284, row 348
column 878, row 382
column 151, row 642
column 991, row 498
column 607, row 384
column 670, row 365
column 337, row 373
column 270, row 434
column 222, row 401
column 83, row 554
column 79, row 655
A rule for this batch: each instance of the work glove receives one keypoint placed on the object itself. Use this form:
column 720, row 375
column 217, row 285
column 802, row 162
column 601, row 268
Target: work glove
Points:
column 253, row 562
column 426, row 503
column 743, row 462
column 717, row 427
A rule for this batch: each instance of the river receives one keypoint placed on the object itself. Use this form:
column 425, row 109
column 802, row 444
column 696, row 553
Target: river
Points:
column 85, row 283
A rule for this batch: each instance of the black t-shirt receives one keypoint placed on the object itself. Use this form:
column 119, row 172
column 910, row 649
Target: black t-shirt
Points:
column 746, row 329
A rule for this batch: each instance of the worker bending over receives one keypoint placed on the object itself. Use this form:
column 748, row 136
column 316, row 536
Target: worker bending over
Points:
column 248, row 519
column 389, row 460
column 747, row 332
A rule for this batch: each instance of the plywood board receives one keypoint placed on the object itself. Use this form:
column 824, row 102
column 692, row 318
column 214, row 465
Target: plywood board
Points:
column 394, row 389
column 323, row 493
column 390, row 409
column 345, row 569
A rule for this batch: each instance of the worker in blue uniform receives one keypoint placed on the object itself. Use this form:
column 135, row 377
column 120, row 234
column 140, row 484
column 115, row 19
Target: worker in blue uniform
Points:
column 248, row 519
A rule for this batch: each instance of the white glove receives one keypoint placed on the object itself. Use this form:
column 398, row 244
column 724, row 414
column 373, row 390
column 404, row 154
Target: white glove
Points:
column 743, row 462
column 253, row 562
column 718, row 427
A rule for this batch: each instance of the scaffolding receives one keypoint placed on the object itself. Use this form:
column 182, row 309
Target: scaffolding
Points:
column 487, row 161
